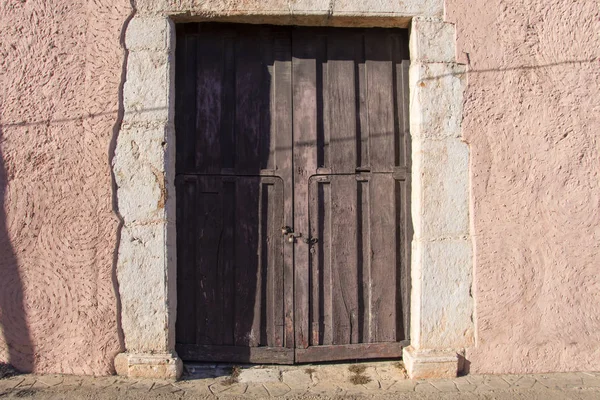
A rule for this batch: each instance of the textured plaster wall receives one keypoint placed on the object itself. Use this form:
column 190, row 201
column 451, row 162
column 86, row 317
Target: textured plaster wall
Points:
column 532, row 118
column 61, row 64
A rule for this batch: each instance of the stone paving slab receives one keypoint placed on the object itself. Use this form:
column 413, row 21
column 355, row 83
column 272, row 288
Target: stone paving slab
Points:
column 375, row 380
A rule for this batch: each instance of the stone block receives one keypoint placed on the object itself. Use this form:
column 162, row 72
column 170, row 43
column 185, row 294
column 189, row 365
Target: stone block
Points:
column 402, row 386
column 441, row 303
column 147, row 89
column 440, row 188
column 212, row 8
column 445, row 386
column 149, row 366
column 141, row 276
column 432, row 41
column 276, row 389
column 310, row 7
column 140, row 194
column 408, row 8
column 138, row 166
column 298, row 379
column 143, row 144
column 259, row 375
column 430, row 364
column 436, row 101
column 149, row 33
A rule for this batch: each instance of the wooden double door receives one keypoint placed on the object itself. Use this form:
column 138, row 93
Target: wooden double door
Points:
column 293, row 165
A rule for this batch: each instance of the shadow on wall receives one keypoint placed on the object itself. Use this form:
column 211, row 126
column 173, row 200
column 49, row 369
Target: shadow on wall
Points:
column 14, row 328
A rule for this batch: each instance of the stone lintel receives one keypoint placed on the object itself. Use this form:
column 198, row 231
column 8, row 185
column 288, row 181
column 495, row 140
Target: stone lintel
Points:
column 151, row 366
column 283, row 12
column 430, row 364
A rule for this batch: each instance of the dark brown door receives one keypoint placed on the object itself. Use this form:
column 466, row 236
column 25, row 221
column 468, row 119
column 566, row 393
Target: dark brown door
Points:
column 234, row 193
column 300, row 128
column 351, row 193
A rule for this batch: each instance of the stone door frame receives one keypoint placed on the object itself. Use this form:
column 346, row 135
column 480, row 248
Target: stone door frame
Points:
column 144, row 169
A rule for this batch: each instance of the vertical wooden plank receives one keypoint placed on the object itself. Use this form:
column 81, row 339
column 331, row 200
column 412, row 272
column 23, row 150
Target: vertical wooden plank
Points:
column 403, row 187
column 275, row 276
column 343, row 259
column 380, row 103
column 321, row 301
column 341, row 100
column 323, row 134
column 207, row 242
column 326, row 284
column 383, row 258
column 267, row 323
column 259, row 324
column 267, row 145
column 315, row 264
column 403, row 244
column 363, row 159
column 228, row 259
column 249, row 90
column 228, row 96
column 363, row 247
column 180, row 105
column 271, row 261
column 209, row 82
column 186, row 102
column 247, row 265
column 281, row 117
column 305, row 164
column 321, row 321
column 186, row 267
column 401, row 100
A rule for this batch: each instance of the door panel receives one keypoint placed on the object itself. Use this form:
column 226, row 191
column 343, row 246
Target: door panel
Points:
column 233, row 294
column 357, row 269
column 233, row 105
column 234, row 190
column 305, row 128
column 351, row 179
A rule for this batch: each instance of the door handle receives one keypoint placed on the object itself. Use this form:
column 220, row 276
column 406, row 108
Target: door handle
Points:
column 292, row 236
column 289, row 232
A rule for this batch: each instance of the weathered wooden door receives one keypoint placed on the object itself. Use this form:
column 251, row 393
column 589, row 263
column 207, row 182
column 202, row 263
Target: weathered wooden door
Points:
column 234, row 193
column 292, row 189
column 351, row 193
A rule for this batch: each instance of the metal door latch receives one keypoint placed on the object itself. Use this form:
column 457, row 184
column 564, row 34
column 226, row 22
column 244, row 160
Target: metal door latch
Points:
column 311, row 240
column 292, row 236
column 289, row 232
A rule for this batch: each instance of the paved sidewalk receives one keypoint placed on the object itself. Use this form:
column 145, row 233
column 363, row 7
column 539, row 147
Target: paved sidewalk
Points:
column 373, row 380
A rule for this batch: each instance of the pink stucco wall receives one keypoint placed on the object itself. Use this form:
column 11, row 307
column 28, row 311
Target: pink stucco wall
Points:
column 60, row 71
column 532, row 117
column 532, row 120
